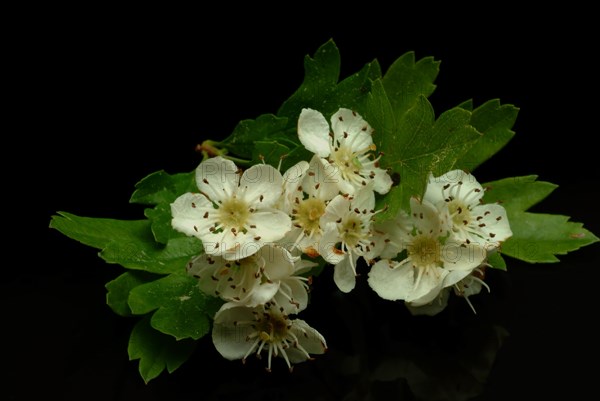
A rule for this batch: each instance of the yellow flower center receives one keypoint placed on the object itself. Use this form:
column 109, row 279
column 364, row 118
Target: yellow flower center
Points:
column 234, row 214
column 346, row 160
column 424, row 251
column 351, row 231
column 309, row 213
column 273, row 327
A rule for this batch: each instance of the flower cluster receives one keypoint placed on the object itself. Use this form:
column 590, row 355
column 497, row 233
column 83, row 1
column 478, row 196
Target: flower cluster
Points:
column 263, row 231
column 443, row 243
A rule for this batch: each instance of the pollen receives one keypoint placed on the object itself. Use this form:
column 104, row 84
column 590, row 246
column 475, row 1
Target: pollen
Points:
column 308, row 214
column 424, row 251
column 234, row 214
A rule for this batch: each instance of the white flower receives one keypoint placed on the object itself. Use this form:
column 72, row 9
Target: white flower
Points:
column 308, row 190
column 239, row 331
column 485, row 224
column 234, row 214
column 468, row 286
column 432, row 308
column 347, row 146
column 432, row 262
column 471, row 285
column 390, row 236
column 348, row 236
column 270, row 275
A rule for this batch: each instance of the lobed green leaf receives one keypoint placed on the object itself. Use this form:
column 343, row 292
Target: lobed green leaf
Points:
column 118, row 290
column 157, row 351
column 182, row 310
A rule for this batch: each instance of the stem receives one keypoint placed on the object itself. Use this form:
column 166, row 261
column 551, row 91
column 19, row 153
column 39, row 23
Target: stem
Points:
column 210, row 148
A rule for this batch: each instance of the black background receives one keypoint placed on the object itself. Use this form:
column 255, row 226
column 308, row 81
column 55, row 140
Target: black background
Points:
column 101, row 101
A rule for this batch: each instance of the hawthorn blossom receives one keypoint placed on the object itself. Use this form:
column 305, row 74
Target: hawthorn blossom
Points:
column 347, row 145
column 269, row 275
column 308, row 190
column 472, row 221
column 234, row 214
column 432, row 308
column 348, row 235
column 432, row 260
column 239, row 331
column 471, row 285
column 390, row 236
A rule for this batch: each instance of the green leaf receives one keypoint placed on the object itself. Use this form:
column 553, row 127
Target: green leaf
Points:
column 538, row 238
column 270, row 151
column 152, row 257
column 496, row 261
column 265, row 127
column 182, row 310
column 99, row 232
column 379, row 112
column 321, row 74
column 160, row 218
column 419, row 144
column 518, row 194
column 467, row 105
column 406, row 80
column 157, row 351
column 119, row 288
column 352, row 92
column 161, row 187
column 320, row 89
column 494, row 121
column 298, row 154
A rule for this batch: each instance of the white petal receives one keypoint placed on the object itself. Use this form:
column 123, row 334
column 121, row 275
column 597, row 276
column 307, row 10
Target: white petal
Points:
column 343, row 274
column 313, row 342
column 397, row 231
column 278, row 262
column 470, row 286
column 188, row 213
column 455, row 276
column 350, row 128
column 303, row 266
column 322, row 179
column 391, row 283
column 462, row 257
column 230, row 339
column 232, row 246
column 263, row 293
column 432, row 308
column 292, row 184
column 313, row 132
column 496, row 228
column 289, row 239
column 434, row 191
column 294, row 289
column 429, row 296
column 293, row 176
column 364, row 198
column 203, row 269
column 271, row 224
column 426, row 217
column 327, row 246
column 261, row 185
column 337, row 208
column 428, row 286
column 459, row 184
column 217, row 178
column 382, row 181
column 346, row 187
